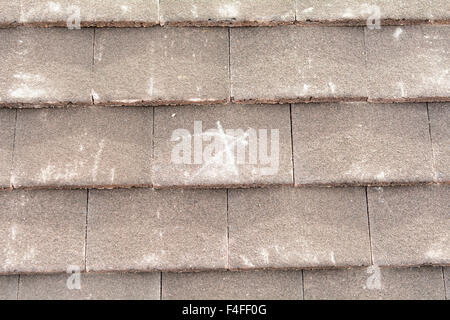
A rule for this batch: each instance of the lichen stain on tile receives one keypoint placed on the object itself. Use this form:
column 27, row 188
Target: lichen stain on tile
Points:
column 28, row 86
column 229, row 10
column 246, row 262
column 397, row 33
column 97, row 158
column 52, row 174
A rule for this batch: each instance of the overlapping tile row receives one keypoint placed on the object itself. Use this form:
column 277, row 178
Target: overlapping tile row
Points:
column 145, row 13
column 357, row 283
column 218, row 146
column 166, row 66
column 46, row 231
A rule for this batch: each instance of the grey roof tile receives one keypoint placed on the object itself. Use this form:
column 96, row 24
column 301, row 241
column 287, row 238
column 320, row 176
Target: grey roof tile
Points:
column 82, row 147
column 116, row 286
column 227, row 12
column 447, row 281
column 440, row 134
column 42, row 231
column 53, row 70
column 8, row 287
column 410, row 225
column 89, row 12
column 300, row 64
column 161, row 66
column 267, row 285
column 298, row 227
column 350, row 12
column 408, row 63
column 375, row 283
column 361, row 143
column 146, row 229
column 182, row 133
column 9, row 13
column 7, row 125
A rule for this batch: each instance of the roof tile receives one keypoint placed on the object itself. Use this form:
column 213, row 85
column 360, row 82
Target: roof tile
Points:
column 265, row 134
column 409, row 226
column 42, row 231
column 91, row 12
column 374, row 283
column 268, row 285
column 117, row 286
column 54, row 70
column 408, row 63
column 145, row 229
column 227, row 12
column 161, row 66
column 345, row 12
column 7, row 124
column 298, row 227
column 8, row 287
column 440, row 134
column 361, row 143
column 300, row 64
column 82, row 147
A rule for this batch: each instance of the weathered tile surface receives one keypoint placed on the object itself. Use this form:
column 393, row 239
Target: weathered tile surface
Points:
column 56, row 69
column 353, row 11
column 440, row 134
column 117, row 286
column 145, row 229
column 7, row 124
column 227, row 12
column 408, row 63
column 161, row 65
column 9, row 13
column 447, row 281
column 42, row 231
column 299, row 64
column 88, row 146
column 269, row 285
column 410, row 225
column 298, row 227
column 260, row 153
column 8, row 287
column 361, row 143
column 90, row 12
column 375, row 283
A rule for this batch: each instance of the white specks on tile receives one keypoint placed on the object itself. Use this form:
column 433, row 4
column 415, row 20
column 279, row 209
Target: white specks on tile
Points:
column 173, row 115
column 247, row 263
column 194, row 11
column 373, row 282
column 27, row 86
column 124, row 9
column 54, row 6
column 265, row 255
column 380, row 176
column 348, row 13
column 397, row 33
column 332, row 258
column 52, row 174
column 113, row 174
column 13, row 232
column 307, row 10
column 97, row 158
column 150, row 87
column 332, row 87
column 229, row 10
column 94, row 95
column 402, row 89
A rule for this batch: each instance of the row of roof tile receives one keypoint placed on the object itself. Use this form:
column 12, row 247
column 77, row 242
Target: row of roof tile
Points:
column 225, row 146
column 47, row 231
column 157, row 66
column 358, row 283
column 142, row 13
